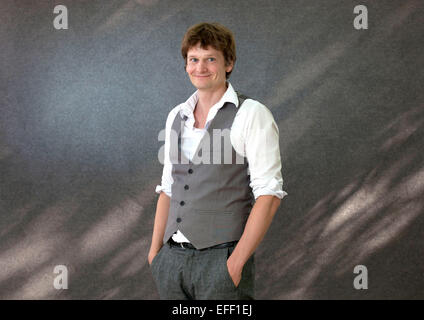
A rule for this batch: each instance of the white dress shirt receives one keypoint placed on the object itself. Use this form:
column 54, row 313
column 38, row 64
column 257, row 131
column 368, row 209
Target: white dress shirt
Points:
column 254, row 135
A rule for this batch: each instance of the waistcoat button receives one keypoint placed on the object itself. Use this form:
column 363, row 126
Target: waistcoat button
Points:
column 182, row 203
column 186, row 187
column 190, row 171
column 178, row 220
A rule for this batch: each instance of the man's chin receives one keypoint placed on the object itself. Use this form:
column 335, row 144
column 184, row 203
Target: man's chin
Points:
column 200, row 86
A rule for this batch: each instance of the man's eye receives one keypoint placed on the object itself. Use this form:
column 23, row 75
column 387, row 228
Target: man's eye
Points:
column 211, row 59
column 193, row 60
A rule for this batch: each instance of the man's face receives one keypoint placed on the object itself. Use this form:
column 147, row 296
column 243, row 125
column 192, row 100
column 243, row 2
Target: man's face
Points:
column 206, row 68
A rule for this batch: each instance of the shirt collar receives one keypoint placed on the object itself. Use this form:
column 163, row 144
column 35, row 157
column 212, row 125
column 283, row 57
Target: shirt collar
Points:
column 187, row 107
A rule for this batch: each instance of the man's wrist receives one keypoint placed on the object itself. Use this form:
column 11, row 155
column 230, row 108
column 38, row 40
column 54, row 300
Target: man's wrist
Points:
column 237, row 261
column 155, row 248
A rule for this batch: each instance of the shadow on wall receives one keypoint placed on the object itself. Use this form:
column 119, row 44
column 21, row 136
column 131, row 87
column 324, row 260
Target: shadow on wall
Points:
column 93, row 217
column 99, row 228
column 351, row 147
column 355, row 173
column 374, row 219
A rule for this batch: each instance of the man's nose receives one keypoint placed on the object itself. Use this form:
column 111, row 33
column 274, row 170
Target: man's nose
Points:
column 201, row 66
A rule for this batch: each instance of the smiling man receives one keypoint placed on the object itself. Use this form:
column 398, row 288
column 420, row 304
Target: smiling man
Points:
column 211, row 217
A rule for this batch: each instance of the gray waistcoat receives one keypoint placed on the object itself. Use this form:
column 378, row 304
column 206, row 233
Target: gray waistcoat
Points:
column 210, row 203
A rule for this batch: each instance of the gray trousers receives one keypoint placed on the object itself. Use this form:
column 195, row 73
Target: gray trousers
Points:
column 186, row 274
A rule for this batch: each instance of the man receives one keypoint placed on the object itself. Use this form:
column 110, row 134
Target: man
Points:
column 212, row 215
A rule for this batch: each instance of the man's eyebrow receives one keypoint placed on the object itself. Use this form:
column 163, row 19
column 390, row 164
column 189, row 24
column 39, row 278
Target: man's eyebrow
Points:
column 195, row 56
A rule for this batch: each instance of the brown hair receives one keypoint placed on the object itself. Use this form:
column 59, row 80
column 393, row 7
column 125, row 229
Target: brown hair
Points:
column 210, row 34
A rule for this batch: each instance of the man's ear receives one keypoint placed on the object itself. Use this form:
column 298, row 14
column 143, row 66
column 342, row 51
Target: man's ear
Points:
column 229, row 66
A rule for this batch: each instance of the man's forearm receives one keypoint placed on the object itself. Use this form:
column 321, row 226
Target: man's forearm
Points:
column 256, row 227
column 161, row 217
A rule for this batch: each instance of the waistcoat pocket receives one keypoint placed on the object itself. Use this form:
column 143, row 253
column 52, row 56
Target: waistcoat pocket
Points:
column 214, row 212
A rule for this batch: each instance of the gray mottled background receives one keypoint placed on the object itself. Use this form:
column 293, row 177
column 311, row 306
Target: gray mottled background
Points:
column 81, row 110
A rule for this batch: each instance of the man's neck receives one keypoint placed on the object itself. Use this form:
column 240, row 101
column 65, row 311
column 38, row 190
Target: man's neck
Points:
column 208, row 98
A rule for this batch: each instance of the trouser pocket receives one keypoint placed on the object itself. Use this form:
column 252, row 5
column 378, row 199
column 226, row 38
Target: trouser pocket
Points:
column 246, row 287
column 227, row 275
column 156, row 260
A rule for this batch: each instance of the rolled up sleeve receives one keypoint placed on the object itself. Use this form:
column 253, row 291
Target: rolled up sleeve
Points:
column 167, row 180
column 261, row 142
